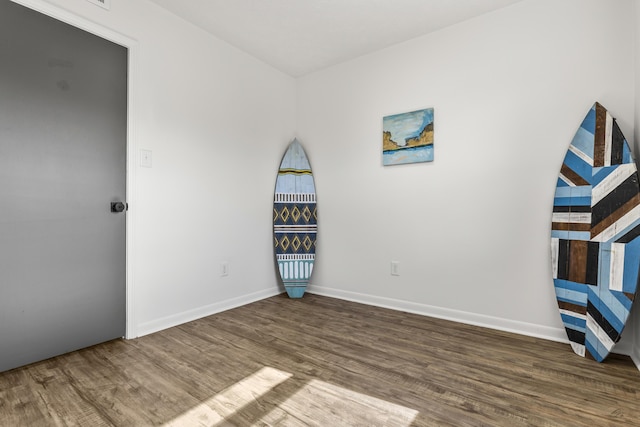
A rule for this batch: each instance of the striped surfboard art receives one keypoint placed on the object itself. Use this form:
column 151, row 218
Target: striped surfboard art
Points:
column 595, row 243
column 295, row 220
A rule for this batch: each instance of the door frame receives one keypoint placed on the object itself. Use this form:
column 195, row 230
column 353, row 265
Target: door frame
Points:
column 132, row 136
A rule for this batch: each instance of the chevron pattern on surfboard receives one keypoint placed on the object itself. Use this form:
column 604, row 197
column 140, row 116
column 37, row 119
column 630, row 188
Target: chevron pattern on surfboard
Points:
column 595, row 244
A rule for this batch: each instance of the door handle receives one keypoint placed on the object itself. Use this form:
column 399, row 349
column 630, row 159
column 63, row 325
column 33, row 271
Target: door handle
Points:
column 117, row 207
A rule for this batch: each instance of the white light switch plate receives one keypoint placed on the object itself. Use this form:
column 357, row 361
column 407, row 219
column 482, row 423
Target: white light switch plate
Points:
column 145, row 158
column 395, row 268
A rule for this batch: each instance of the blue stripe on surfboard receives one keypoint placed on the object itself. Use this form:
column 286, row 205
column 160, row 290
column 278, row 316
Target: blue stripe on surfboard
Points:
column 560, row 234
column 575, row 293
column 610, row 307
column 599, row 174
column 620, row 306
column 583, row 141
column 589, row 122
column 573, row 196
column 631, row 266
column 572, row 201
column 578, row 165
column 568, row 192
column 575, row 327
column 571, row 235
column 622, row 298
column 604, row 264
column 561, row 183
column 626, row 153
column 572, row 286
column 582, row 303
column 574, row 322
column 573, row 297
column 595, row 347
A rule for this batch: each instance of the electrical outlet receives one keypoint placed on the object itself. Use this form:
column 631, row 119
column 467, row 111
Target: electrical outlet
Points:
column 395, row 268
column 224, row 268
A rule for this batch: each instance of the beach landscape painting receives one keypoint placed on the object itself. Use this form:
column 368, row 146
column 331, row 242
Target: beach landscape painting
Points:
column 407, row 137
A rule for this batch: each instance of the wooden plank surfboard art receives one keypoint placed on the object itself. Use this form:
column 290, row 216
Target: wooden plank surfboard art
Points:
column 595, row 244
column 295, row 220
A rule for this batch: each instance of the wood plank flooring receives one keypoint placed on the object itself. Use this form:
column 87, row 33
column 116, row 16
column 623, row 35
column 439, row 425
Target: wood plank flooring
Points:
column 324, row 362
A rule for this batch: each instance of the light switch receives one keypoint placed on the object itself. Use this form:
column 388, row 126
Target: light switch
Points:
column 145, row 158
column 395, row 268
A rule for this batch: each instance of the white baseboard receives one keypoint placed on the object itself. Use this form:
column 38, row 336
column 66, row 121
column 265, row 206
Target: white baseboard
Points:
column 623, row 348
column 522, row 328
column 200, row 312
column 635, row 355
column 507, row 325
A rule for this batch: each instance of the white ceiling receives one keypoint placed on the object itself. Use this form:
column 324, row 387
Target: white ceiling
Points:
column 302, row 36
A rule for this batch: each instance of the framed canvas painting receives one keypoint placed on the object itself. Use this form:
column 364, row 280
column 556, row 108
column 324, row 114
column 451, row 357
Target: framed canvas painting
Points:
column 407, row 137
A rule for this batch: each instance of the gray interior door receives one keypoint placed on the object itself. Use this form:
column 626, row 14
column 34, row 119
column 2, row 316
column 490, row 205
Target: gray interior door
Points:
column 63, row 111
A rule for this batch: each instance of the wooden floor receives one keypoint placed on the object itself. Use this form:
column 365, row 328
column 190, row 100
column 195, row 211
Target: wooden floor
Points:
column 324, row 362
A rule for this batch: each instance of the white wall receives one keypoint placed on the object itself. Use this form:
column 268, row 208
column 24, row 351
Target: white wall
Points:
column 471, row 230
column 214, row 118
column 636, row 312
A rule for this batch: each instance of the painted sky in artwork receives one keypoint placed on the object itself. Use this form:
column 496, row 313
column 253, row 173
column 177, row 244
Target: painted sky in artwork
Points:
column 407, row 125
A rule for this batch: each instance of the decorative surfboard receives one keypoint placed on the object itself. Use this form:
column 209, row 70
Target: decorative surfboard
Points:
column 595, row 243
column 295, row 220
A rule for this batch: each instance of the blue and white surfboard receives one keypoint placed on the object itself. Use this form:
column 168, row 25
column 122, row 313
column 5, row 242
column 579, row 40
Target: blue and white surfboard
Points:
column 295, row 220
column 595, row 237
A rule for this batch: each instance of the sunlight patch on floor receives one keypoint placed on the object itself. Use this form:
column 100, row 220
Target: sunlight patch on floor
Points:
column 322, row 403
column 314, row 403
column 213, row 411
